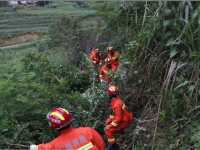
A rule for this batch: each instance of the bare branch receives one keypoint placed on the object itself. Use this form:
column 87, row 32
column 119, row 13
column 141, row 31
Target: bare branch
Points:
column 11, row 144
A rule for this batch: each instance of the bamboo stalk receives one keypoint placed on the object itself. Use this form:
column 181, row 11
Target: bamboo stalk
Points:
column 155, row 130
column 144, row 17
column 166, row 82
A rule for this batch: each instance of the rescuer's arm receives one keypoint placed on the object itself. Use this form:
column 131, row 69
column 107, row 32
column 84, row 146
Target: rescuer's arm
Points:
column 97, row 139
column 116, row 55
column 101, row 75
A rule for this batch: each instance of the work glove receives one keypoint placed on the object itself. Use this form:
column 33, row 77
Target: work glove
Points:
column 106, row 123
column 33, row 147
column 106, row 128
column 94, row 62
column 102, row 81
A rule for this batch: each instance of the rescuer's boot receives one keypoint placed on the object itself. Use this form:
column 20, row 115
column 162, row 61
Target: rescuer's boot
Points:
column 114, row 146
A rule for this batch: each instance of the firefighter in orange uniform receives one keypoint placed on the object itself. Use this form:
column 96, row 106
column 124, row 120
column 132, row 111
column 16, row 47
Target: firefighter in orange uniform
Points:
column 70, row 138
column 104, row 71
column 96, row 57
column 119, row 119
column 114, row 56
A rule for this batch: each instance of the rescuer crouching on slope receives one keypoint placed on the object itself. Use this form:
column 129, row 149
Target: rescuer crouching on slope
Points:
column 114, row 57
column 104, row 71
column 84, row 138
column 119, row 119
column 96, row 57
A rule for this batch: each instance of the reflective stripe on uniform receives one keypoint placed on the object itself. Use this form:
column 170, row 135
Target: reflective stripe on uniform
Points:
column 36, row 147
column 114, row 124
column 111, row 140
column 86, row 147
column 111, row 116
column 123, row 107
column 105, row 71
column 115, row 57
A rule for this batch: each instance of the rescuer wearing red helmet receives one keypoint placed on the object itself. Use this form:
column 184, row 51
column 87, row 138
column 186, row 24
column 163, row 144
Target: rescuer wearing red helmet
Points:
column 114, row 56
column 96, row 57
column 70, row 138
column 104, row 71
column 119, row 119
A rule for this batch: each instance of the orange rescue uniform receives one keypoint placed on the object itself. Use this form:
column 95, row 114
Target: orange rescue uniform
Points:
column 119, row 119
column 84, row 138
column 95, row 57
column 114, row 59
column 103, row 73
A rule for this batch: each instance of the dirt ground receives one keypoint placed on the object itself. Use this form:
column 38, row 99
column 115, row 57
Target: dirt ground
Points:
column 22, row 37
column 19, row 39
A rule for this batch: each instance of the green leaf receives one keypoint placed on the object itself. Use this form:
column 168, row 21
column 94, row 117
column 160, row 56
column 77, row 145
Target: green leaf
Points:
column 4, row 130
column 167, row 11
column 171, row 146
column 182, row 84
column 197, row 107
column 180, row 66
column 191, row 88
column 173, row 52
column 168, row 34
column 178, row 42
column 165, row 23
column 170, row 41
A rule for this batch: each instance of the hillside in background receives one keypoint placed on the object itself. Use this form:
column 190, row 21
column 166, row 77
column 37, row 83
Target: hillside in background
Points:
column 158, row 77
column 21, row 20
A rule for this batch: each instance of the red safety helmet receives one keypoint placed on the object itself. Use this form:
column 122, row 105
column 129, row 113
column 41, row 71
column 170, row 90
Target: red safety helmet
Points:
column 112, row 90
column 60, row 118
column 111, row 49
column 107, row 60
column 96, row 50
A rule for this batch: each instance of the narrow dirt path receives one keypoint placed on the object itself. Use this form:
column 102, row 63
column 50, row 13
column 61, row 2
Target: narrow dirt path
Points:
column 15, row 45
column 23, row 39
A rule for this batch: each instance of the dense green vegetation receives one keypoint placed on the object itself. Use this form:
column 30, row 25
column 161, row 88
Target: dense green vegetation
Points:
column 158, row 77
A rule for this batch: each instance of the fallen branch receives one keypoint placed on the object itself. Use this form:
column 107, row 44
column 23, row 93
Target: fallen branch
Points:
column 97, row 121
column 11, row 144
column 142, row 121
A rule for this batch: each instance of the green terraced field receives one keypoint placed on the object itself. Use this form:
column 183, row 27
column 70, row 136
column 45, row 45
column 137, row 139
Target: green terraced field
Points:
column 37, row 19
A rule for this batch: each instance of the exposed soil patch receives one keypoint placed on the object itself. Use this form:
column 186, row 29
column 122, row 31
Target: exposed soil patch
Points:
column 22, row 37
column 5, row 12
column 19, row 39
